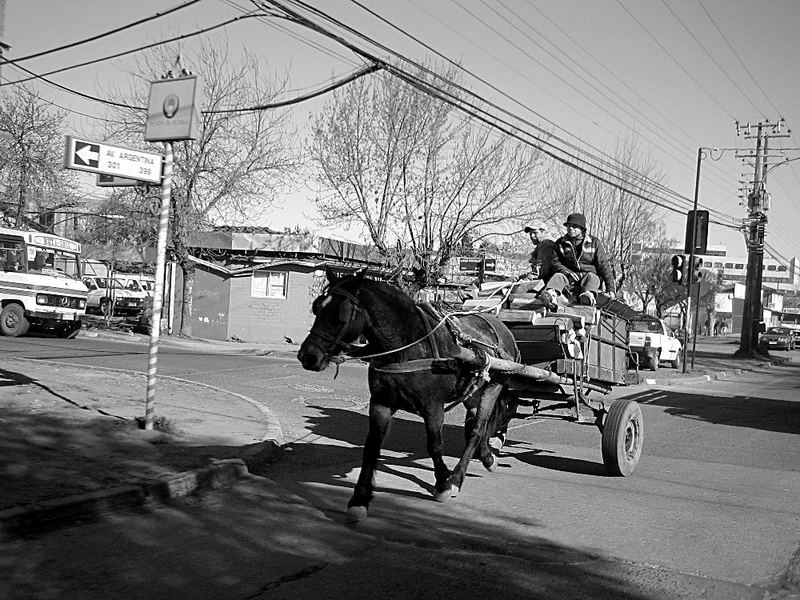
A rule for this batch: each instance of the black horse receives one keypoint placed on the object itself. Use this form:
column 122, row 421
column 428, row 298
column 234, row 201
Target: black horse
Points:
column 404, row 341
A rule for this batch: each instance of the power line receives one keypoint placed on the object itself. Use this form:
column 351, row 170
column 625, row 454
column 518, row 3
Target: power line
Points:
column 630, row 90
column 102, row 35
column 736, row 54
column 131, row 51
column 708, row 54
column 675, row 60
column 458, row 103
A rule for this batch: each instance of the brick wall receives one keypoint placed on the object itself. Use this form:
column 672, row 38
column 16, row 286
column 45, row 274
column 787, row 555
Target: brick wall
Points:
column 272, row 319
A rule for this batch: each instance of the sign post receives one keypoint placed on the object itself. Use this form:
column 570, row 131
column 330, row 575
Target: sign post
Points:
column 158, row 293
column 171, row 115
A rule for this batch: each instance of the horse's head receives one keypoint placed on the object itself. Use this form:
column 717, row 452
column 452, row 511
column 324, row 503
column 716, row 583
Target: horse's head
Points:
column 339, row 321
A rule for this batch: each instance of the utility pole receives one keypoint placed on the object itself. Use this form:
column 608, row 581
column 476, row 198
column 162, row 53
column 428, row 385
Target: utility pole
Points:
column 754, row 229
column 3, row 45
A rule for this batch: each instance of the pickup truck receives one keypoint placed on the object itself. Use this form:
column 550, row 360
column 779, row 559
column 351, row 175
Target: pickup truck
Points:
column 654, row 343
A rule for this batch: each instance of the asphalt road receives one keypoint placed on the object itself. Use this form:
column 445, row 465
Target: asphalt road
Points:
column 713, row 506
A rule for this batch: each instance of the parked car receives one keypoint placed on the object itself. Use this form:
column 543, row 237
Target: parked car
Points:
column 653, row 343
column 106, row 293
column 778, row 338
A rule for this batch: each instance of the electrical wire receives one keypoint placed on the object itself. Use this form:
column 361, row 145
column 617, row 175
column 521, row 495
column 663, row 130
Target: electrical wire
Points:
column 615, row 165
column 101, row 35
column 131, row 51
column 676, row 61
column 480, row 114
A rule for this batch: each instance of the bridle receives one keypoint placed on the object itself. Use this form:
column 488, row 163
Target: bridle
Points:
column 339, row 344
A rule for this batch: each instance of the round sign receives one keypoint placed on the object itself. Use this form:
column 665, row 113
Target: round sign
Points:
column 170, row 106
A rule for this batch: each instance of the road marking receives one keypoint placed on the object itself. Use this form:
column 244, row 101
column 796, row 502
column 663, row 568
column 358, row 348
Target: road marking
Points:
column 527, row 422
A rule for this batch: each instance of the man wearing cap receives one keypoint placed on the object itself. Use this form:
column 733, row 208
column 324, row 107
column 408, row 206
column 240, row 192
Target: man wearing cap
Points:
column 579, row 264
column 542, row 254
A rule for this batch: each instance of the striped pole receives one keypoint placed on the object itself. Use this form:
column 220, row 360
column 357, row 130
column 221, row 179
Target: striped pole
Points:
column 158, row 293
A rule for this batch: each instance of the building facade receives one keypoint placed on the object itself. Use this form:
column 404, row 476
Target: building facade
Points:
column 255, row 285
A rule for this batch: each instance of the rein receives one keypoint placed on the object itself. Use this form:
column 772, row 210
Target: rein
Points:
column 445, row 319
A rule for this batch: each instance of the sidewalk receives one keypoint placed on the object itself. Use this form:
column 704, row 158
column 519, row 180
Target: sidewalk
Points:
column 72, row 445
column 73, row 449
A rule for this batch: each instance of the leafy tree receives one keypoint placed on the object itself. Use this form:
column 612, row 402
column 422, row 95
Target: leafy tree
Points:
column 421, row 178
column 239, row 164
column 31, row 158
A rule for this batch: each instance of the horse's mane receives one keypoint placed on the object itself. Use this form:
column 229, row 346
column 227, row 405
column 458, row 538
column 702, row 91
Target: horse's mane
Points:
column 388, row 292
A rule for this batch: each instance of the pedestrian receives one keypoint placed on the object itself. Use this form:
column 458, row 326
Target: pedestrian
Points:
column 580, row 265
column 724, row 327
column 716, row 328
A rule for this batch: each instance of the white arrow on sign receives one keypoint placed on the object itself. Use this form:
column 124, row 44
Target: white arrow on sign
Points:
column 89, row 154
column 112, row 160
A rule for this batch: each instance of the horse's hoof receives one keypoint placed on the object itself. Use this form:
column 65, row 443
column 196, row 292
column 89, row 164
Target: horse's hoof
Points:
column 491, row 466
column 454, row 491
column 444, row 495
column 355, row 514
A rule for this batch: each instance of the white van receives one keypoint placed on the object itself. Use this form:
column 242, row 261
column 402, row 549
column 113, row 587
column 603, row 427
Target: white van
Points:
column 40, row 283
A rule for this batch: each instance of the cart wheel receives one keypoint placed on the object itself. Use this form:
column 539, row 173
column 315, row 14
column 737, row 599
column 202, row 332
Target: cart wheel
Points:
column 623, row 434
column 652, row 361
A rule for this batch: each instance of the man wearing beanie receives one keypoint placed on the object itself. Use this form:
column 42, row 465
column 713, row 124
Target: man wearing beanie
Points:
column 579, row 264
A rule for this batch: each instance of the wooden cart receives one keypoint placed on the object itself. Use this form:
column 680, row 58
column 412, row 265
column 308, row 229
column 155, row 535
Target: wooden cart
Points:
column 566, row 355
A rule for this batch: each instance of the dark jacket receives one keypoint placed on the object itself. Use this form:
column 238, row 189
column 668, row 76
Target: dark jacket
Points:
column 589, row 257
column 542, row 259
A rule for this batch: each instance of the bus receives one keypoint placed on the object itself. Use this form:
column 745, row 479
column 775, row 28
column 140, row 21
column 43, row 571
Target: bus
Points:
column 40, row 283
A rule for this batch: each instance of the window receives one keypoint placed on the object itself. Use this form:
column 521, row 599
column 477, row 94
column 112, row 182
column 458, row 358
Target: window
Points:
column 739, row 266
column 771, row 268
column 782, row 268
column 728, row 265
column 268, row 284
column 717, row 265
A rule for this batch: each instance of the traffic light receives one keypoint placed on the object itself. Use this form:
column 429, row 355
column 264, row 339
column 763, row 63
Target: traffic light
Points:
column 679, row 268
column 697, row 228
column 697, row 274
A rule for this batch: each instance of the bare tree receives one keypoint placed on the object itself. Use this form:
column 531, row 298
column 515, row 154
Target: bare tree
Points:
column 31, row 157
column 619, row 218
column 417, row 174
column 241, row 161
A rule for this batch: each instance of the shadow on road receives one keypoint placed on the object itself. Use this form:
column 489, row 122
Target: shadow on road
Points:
column 754, row 412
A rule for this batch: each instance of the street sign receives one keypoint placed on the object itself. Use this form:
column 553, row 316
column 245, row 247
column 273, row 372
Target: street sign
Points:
column 473, row 264
column 95, row 157
column 104, row 180
column 173, row 109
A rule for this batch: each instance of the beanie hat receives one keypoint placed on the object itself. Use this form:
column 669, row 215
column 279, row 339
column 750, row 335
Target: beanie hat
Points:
column 576, row 219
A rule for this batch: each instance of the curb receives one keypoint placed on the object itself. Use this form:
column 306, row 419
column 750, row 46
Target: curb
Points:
column 201, row 345
column 44, row 516
column 706, row 377
column 692, row 380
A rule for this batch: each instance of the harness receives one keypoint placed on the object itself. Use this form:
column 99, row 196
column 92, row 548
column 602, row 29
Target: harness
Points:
column 432, row 320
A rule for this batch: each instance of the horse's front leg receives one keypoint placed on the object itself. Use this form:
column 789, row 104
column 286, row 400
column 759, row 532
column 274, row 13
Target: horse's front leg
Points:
column 477, row 439
column 433, row 415
column 379, row 418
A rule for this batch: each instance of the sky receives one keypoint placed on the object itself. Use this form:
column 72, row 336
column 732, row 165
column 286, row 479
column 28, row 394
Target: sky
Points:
column 673, row 75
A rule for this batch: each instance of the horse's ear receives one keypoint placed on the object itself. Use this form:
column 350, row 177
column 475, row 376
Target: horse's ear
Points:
column 360, row 273
column 332, row 279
